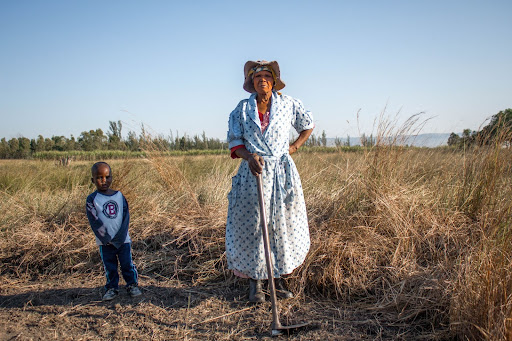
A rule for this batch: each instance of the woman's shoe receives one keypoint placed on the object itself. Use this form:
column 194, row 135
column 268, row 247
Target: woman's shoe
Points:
column 281, row 290
column 256, row 294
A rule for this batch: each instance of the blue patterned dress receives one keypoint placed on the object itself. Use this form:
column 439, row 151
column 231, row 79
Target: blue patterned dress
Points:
column 284, row 200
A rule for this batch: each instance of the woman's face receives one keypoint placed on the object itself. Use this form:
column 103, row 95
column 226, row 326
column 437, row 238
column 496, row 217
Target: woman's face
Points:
column 263, row 82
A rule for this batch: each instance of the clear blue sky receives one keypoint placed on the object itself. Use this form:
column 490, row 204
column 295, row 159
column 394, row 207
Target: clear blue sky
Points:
column 70, row 66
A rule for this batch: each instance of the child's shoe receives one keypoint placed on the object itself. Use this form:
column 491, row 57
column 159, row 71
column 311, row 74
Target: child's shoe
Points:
column 133, row 290
column 110, row 294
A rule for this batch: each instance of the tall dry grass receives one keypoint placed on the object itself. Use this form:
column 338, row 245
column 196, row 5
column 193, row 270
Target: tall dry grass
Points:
column 420, row 235
column 408, row 236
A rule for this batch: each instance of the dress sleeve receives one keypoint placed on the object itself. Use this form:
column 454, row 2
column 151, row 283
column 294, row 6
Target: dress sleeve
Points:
column 236, row 130
column 302, row 119
column 95, row 221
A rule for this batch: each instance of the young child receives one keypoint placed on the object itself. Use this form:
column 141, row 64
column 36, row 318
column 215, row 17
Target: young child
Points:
column 107, row 211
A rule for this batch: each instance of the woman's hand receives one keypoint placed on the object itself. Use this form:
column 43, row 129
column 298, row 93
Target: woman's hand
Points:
column 256, row 163
column 303, row 136
column 293, row 148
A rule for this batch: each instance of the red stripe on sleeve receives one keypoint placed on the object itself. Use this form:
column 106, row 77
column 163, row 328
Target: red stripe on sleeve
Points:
column 233, row 155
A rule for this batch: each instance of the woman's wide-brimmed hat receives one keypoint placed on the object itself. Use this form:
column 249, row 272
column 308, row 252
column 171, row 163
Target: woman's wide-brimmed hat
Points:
column 248, row 84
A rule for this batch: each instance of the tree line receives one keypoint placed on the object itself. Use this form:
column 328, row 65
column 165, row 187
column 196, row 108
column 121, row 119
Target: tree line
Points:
column 499, row 130
column 94, row 140
column 97, row 140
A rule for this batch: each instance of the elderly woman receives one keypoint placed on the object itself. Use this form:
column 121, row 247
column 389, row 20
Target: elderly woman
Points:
column 259, row 131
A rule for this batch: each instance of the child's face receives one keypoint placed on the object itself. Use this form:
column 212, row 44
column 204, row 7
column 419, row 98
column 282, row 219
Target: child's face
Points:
column 102, row 179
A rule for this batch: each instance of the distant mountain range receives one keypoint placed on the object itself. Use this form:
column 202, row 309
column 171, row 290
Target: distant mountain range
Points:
column 421, row 140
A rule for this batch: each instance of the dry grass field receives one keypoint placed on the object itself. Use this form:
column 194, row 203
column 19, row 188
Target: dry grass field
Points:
column 407, row 244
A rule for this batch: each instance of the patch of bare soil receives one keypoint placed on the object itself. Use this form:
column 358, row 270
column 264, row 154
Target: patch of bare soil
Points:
column 71, row 309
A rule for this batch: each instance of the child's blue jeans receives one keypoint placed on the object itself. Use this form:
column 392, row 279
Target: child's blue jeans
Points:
column 110, row 256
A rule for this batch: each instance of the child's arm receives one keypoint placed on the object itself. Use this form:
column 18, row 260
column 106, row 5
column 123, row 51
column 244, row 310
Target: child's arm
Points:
column 120, row 236
column 96, row 224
